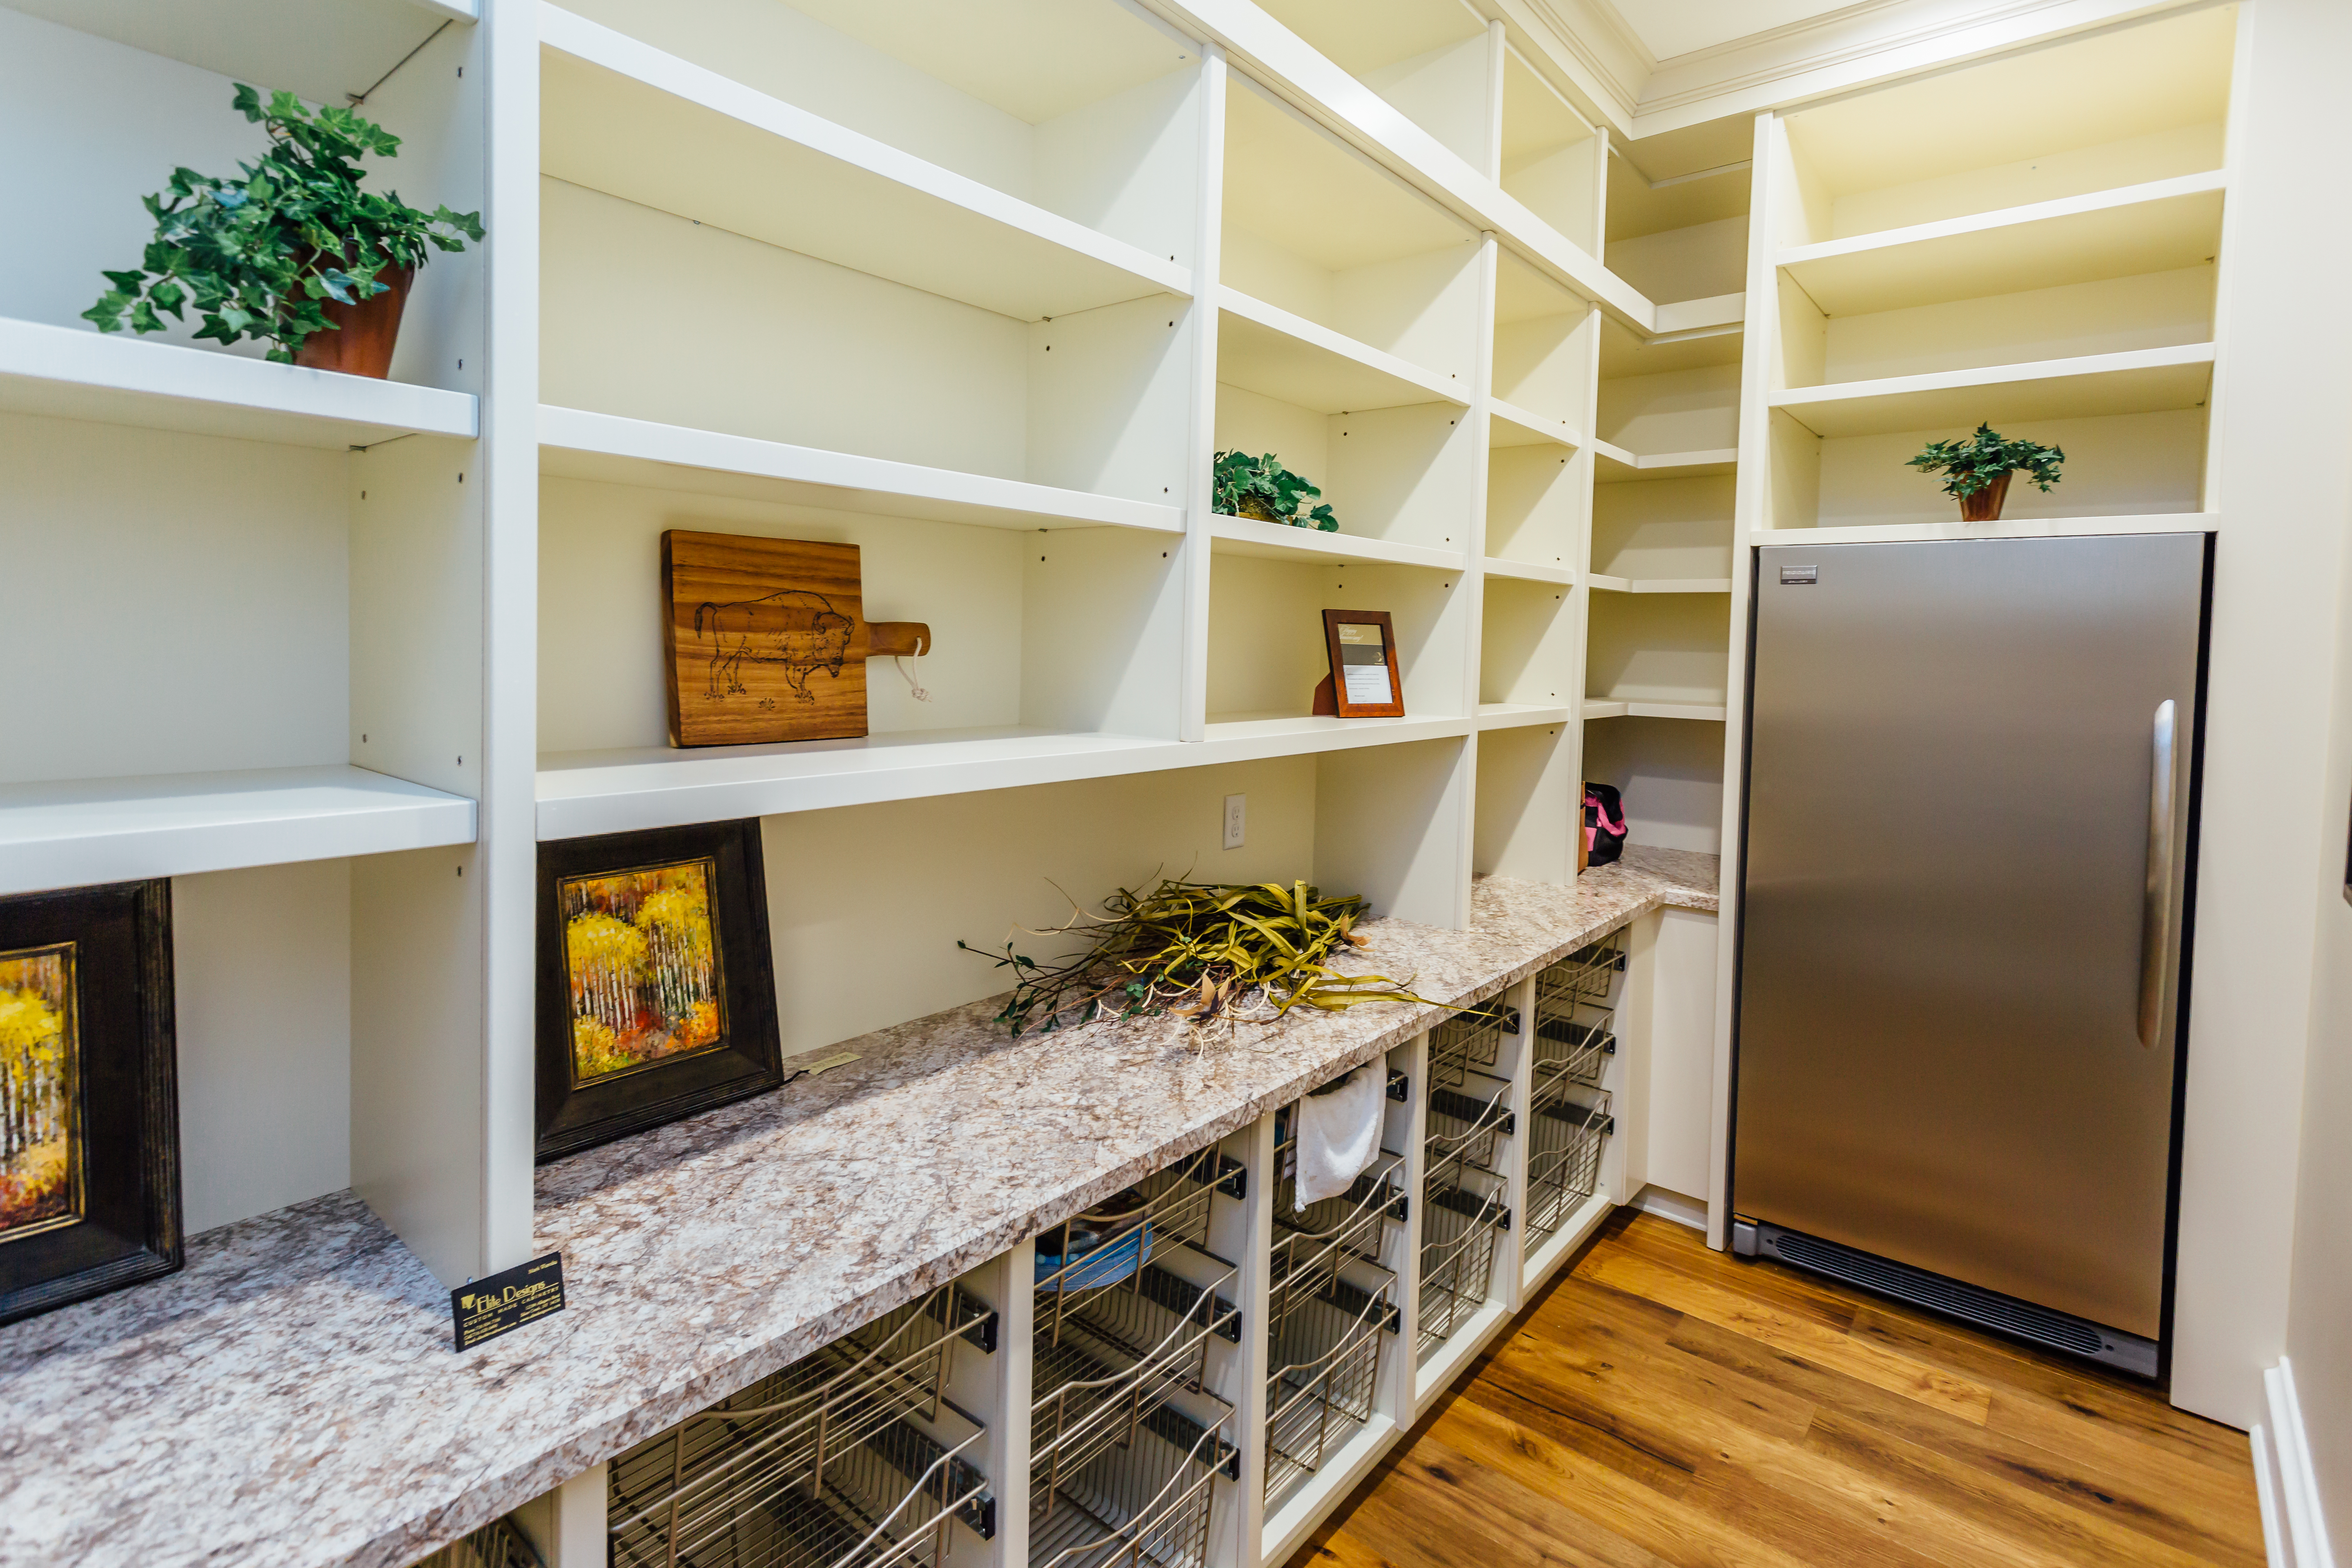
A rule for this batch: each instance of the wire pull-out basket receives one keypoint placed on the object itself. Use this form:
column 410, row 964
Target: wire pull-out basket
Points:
column 851, row 1458
column 1564, row 1155
column 1459, row 1222
column 1463, row 1124
column 1141, row 1503
column 497, row 1544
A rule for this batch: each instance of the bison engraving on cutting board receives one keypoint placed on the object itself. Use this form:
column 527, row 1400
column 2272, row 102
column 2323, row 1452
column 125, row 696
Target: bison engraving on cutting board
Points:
column 796, row 629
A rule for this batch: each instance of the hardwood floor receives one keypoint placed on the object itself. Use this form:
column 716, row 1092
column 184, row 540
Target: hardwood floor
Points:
column 1664, row 1403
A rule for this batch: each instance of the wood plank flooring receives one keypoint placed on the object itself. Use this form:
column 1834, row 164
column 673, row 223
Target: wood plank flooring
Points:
column 1664, row 1403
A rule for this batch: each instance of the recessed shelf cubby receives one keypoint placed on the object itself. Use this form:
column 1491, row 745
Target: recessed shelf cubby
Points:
column 1426, row 58
column 1083, row 111
column 1401, row 472
column 1266, row 650
column 2099, row 112
column 1091, row 402
column 1313, row 229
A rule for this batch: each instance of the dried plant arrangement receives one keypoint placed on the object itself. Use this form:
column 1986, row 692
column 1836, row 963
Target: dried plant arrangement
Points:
column 1210, row 953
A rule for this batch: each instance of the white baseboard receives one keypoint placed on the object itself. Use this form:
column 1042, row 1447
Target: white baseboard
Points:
column 1669, row 1204
column 2294, row 1535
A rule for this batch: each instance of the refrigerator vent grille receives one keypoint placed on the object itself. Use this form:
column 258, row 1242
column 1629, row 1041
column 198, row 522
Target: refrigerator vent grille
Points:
column 1918, row 1286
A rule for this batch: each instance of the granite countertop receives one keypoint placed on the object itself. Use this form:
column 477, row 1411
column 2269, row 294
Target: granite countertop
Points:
column 291, row 1397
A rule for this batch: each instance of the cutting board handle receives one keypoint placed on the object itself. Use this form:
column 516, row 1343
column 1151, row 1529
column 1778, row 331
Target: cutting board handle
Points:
column 896, row 640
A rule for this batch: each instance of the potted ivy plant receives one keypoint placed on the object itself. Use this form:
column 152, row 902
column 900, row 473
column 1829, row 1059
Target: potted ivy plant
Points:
column 293, row 252
column 1263, row 489
column 1978, row 469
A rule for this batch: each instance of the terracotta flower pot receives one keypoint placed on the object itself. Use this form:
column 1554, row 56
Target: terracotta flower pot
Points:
column 1984, row 505
column 368, row 329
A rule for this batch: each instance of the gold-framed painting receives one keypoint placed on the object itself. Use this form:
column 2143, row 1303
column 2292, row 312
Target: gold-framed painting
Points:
column 655, row 999
column 90, row 1164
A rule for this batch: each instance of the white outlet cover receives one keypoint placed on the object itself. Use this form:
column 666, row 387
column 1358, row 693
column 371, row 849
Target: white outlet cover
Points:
column 1236, row 819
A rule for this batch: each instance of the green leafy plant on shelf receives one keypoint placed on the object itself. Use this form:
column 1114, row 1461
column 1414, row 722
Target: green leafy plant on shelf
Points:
column 261, row 255
column 1263, row 489
column 1977, row 470
column 1210, row 953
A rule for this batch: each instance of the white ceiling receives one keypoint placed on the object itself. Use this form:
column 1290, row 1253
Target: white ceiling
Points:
column 1671, row 28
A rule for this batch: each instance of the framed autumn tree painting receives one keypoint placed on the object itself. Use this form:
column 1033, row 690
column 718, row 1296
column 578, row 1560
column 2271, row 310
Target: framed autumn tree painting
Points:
column 90, row 1119
column 655, row 992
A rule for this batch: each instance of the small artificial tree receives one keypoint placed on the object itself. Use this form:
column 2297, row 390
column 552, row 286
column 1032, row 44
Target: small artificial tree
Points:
column 1263, row 489
column 1983, row 462
column 256, row 256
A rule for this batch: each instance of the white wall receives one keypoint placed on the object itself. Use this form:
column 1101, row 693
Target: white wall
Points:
column 202, row 584
column 2319, row 1300
column 262, row 971
column 2273, row 812
column 866, row 903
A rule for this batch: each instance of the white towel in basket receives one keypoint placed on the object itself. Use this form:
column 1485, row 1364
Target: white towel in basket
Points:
column 1339, row 1133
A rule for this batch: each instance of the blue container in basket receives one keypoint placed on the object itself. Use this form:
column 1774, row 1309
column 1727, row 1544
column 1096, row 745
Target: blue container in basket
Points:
column 1105, row 1245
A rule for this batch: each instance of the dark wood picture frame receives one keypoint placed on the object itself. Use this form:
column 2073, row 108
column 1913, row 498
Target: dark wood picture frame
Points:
column 1337, row 680
column 746, row 1058
column 124, row 1093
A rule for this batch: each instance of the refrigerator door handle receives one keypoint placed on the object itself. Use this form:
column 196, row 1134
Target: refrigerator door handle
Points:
column 2156, row 910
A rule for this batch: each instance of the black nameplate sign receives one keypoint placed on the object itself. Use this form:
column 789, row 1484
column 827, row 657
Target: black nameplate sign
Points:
column 506, row 1302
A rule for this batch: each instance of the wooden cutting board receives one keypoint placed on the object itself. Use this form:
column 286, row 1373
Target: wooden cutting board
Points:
column 768, row 639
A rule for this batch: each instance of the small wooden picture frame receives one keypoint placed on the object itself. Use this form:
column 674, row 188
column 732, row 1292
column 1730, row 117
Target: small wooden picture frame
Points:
column 657, row 990
column 89, row 1162
column 1364, row 679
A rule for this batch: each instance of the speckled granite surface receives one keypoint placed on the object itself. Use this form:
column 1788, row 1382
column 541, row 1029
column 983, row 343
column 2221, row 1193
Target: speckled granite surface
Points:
column 290, row 1397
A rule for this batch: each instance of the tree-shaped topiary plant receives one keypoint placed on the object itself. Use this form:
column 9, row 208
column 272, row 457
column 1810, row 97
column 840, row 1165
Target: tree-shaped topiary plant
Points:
column 262, row 256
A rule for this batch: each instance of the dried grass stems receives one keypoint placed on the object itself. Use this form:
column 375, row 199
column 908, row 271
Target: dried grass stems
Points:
column 1213, row 954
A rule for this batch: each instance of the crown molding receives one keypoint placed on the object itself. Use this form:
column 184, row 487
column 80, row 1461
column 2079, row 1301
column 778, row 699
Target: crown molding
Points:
column 1855, row 45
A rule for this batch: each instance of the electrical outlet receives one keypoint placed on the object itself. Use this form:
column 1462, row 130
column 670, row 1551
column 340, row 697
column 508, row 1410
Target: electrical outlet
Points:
column 1236, row 818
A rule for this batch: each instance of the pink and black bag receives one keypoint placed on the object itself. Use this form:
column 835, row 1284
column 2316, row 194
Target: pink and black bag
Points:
column 1604, row 824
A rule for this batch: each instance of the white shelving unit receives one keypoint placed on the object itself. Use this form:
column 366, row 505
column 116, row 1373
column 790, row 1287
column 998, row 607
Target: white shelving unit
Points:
column 2055, row 277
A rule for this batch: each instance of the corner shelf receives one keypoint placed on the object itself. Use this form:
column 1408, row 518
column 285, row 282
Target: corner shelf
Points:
column 576, row 443
column 1661, row 584
column 1247, row 737
column 1281, row 542
column 1509, row 425
column 80, row 373
column 1529, row 571
column 82, row 831
column 1614, row 465
column 629, row 119
column 1607, row 708
column 2140, row 380
column 1512, row 715
column 1265, row 349
column 2151, row 227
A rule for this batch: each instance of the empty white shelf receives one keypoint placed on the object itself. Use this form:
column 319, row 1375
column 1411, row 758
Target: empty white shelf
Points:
column 281, row 43
column 2151, row 227
column 1511, row 715
column 1530, row 572
column 1281, row 542
column 582, row 792
column 1614, row 465
column 578, row 443
column 613, row 791
column 79, row 373
column 622, row 117
column 1661, row 584
column 1509, row 425
column 2140, row 380
column 81, row 831
column 1265, row 349
column 1246, row 736
column 1612, row 708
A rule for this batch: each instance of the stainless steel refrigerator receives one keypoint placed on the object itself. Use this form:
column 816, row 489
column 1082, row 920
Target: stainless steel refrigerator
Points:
column 1969, row 785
